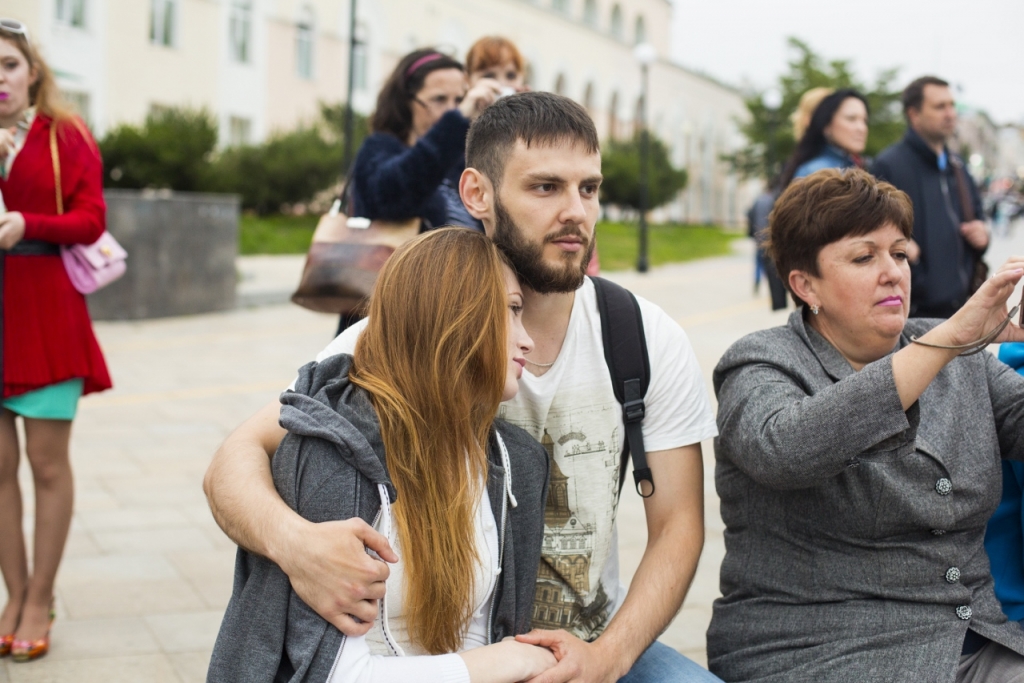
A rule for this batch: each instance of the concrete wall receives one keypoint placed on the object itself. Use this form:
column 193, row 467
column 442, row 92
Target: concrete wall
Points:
column 181, row 254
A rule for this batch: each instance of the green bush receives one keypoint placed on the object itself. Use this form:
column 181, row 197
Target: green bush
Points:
column 620, row 165
column 287, row 169
column 170, row 150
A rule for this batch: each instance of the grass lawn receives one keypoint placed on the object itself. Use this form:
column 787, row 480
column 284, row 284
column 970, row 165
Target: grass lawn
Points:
column 275, row 234
column 617, row 242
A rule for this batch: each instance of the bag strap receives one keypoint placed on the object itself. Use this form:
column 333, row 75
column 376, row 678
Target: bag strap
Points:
column 55, row 157
column 625, row 353
column 966, row 202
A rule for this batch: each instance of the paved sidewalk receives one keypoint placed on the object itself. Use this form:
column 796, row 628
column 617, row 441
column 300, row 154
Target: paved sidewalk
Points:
column 147, row 573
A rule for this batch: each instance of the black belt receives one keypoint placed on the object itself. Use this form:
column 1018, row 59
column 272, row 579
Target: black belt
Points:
column 34, row 248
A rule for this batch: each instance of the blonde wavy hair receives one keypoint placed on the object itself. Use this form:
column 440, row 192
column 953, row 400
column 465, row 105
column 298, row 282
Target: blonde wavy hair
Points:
column 43, row 94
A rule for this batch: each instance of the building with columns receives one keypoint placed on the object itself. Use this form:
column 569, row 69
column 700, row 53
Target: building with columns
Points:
column 264, row 65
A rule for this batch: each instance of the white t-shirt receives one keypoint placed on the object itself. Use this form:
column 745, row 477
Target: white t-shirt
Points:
column 572, row 411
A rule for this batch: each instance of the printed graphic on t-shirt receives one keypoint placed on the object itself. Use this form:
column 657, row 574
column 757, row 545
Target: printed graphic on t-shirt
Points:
column 580, row 434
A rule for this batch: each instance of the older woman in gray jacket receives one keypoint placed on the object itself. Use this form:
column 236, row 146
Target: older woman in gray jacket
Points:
column 859, row 460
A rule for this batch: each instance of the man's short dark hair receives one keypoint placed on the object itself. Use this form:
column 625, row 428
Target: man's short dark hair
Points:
column 532, row 117
column 913, row 94
column 824, row 208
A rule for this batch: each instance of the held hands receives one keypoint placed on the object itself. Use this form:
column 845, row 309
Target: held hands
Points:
column 507, row 662
column 578, row 662
column 987, row 309
column 479, row 97
column 12, row 229
column 976, row 234
column 332, row 573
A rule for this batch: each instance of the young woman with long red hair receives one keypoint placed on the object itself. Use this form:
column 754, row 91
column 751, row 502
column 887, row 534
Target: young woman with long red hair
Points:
column 50, row 356
column 402, row 434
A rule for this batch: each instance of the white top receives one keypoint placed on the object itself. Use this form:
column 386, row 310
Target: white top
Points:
column 573, row 412
column 386, row 654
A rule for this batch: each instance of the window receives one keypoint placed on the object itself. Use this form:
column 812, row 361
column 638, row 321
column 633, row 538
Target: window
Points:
column 79, row 102
column 613, row 117
column 239, row 131
column 71, row 13
column 616, row 26
column 304, row 37
column 590, row 13
column 161, row 22
column 588, row 97
column 561, row 6
column 241, row 31
column 640, row 32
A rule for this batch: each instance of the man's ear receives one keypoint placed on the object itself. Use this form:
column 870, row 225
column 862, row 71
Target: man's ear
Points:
column 802, row 285
column 477, row 194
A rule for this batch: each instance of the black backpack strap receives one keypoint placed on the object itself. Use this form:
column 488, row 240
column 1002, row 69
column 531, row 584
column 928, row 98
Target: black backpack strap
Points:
column 625, row 352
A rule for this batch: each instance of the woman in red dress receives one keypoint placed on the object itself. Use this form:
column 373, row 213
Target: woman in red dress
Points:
column 50, row 356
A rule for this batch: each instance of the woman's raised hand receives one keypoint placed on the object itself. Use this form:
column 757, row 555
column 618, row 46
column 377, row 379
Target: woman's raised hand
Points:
column 479, row 97
column 987, row 309
column 12, row 229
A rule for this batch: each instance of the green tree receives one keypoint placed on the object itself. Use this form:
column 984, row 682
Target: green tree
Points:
column 769, row 133
column 171, row 149
column 620, row 165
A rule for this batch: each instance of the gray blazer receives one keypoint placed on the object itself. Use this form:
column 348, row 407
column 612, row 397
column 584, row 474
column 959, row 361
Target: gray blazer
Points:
column 854, row 529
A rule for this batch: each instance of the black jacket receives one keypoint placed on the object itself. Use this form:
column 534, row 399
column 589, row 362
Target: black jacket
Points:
column 395, row 182
column 330, row 466
column 942, row 276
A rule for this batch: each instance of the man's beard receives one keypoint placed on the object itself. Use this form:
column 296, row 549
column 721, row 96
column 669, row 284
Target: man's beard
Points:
column 527, row 258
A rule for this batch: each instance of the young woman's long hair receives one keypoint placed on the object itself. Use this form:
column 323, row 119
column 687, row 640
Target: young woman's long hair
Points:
column 394, row 102
column 433, row 358
column 814, row 141
column 44, row 94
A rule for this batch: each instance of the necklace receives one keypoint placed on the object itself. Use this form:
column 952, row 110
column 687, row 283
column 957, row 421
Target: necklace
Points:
column 542, row 365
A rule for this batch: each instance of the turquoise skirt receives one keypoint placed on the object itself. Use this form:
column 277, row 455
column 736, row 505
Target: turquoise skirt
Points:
column 54, row 402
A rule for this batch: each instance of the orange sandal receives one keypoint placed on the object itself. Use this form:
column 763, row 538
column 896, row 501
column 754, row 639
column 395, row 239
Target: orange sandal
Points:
column 5, row 644
column 27, row 650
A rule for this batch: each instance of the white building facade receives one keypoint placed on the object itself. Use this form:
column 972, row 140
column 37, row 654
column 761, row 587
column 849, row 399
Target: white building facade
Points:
column 262, row 66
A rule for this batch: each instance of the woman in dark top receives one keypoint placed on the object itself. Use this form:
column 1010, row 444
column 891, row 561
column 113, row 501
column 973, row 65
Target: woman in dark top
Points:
column 835, row 137
column 409, row 166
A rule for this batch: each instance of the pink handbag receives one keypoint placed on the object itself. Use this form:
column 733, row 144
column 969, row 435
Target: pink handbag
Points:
column 89, row 266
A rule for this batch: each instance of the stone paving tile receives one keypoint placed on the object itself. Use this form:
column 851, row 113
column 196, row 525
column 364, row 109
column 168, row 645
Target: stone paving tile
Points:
column 187, row 632
column 150, row 668
column 191, row 666
column 91, row 638
column 130, row 598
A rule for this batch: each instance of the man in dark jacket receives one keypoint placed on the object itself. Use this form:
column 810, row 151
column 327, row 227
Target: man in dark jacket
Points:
column 948, row 237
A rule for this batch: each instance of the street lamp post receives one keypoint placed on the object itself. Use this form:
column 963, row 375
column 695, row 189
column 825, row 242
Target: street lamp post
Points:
column 353, row 42
column 646, row 55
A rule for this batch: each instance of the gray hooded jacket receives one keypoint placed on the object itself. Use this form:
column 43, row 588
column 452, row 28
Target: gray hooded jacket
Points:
column 330, row 466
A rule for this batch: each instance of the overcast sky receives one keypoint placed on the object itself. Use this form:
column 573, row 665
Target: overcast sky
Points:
column 978, row 45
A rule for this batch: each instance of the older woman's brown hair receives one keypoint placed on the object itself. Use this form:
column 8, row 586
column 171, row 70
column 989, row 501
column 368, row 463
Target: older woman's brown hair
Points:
column 825, row 207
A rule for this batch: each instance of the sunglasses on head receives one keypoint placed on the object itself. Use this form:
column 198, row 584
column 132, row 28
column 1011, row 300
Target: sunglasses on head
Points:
column 14, row 26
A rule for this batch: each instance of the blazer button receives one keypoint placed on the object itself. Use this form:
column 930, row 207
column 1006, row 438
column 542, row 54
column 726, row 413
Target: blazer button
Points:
column 964, row 612
column 943, row 486
column 952, row 575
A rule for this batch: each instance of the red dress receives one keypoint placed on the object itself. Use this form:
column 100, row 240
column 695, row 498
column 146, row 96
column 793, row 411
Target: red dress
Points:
column 47, row 333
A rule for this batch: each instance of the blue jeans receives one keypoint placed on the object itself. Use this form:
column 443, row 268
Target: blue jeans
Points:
column 662, row 664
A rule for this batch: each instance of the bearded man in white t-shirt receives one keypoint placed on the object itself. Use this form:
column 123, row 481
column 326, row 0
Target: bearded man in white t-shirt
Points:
column 532, row 177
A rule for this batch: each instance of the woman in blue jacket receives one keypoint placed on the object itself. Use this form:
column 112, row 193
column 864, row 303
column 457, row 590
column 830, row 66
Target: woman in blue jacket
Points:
column 409, row 166
column 835, row 138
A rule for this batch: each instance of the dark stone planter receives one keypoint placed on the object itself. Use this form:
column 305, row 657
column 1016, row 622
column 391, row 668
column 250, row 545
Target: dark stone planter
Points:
column 181, row 254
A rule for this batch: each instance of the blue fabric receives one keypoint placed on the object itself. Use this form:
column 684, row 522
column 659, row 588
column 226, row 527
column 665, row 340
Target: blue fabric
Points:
column 942, row 159
column 393, row 181
column 661, row 664
column 830, row 157
column 53, row 402
column 1004, row 538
